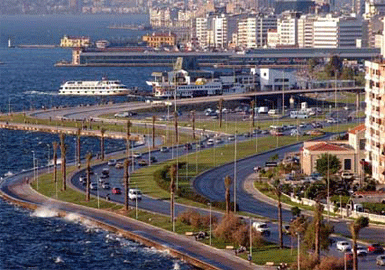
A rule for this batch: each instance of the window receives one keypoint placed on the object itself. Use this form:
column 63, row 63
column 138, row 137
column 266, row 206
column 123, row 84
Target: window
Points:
column 362, row 144
column 347, row 164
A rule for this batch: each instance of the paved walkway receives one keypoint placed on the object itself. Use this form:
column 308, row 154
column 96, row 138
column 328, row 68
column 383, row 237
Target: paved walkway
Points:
column 18, row 189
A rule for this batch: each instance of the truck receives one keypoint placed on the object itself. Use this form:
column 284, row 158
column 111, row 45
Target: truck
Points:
column 263, row 110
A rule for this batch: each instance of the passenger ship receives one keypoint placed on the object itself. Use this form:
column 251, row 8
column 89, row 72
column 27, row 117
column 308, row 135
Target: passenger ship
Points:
column 94, row 88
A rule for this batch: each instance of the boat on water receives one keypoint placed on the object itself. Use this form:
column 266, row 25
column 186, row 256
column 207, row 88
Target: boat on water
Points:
column 187, row 83
column 94, row 88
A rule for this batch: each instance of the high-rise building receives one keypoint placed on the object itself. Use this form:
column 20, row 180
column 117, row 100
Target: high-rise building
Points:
column 335, row 32
column 304, row 6
column 219, row 28
column 306, row 30
column 375, row 115
column 201, row 29
column 287, row 29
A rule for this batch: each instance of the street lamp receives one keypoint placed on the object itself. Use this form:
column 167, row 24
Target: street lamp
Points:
column 48, row 162
column 34, row 165
column 298, row 251
column 235, row 173
column 210, row 222
column 97, row 189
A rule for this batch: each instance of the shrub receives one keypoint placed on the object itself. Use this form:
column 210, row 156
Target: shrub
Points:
column 330, row 263
column 196, row 220
column 226, row 227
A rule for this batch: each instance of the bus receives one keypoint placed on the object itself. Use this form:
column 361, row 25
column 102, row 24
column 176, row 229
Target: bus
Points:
column 299, row 114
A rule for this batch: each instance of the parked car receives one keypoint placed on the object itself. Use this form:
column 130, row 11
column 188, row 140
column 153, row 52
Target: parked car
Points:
column 106, row 171
column 376, row 249
column 343, row 246
column 164, row 149
column 112, row 162
column 119, row 165
column 380, row 260
column 116, row 190
column 135, row 194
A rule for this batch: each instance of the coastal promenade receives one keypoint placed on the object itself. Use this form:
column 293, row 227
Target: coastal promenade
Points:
column 17, row 190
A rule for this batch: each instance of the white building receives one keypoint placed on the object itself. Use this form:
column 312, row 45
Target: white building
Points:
column 219, row 28
column 277, row 79
column 201, row 24
column 306, row 30
column 335, row 32
column 272, row 38
column 252, row 30
column 287, row 29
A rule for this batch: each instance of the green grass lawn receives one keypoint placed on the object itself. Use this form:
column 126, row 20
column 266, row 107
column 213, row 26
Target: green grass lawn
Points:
column 271, row 253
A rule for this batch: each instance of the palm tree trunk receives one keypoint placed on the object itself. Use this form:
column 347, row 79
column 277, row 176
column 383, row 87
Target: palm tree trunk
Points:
column 317, row 241
column 355, row 261
column 127, row 184
column 78, row 147
column 193, row 124
column 227, row 200
column 280, row 222
column 102, row 147
column 54, row 146
column 176, row 128
column 88, row 181
column 128, row 127
column 63, row 160
column 253, row 112
column 153, row 131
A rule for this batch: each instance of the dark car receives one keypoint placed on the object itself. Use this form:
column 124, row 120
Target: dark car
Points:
column 188, row 146
column 116, row 190
column 376, row 249
column 153, row 159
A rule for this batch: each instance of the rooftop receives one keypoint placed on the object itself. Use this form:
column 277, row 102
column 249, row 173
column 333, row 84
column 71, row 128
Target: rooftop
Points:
column 325, row 146
column 357, row 129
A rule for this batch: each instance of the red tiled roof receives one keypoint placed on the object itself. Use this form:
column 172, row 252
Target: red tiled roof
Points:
column 323, row 146
column 369, row 193
column 357, row 129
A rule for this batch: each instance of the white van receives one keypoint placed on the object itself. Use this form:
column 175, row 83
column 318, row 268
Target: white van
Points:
column 272, row 112
column 299, row 114
column 134, row 194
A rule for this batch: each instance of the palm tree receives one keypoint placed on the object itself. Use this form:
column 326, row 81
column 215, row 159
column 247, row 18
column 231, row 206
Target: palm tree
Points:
column 355, row 227
column 63, row 150
column 317, row 228
column 102, row 132
column 128, row 127
column 55, row 146
column 176, row 127
column 227, row 193
column 153, row 131
column 278, row 192
column 173, row 171
column 88, row 181
column 220, row 106
column 127, row 183
column 193, row 123
column 78, row 134
column 252, row 104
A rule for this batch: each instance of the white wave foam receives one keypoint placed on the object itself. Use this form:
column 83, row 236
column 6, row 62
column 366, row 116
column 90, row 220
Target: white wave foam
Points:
column 176, row 266
column 9, row 173
column 35, row 92
column 45, row 212
column 73, row 217
column 59, row 260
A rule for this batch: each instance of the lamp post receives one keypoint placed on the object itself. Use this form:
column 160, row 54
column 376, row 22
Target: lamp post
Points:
column 48, row 162
column 298, row 251
column 328, row 198
column 210, row 223
column 34, row 166
column 251, row 239
column 136, row 205
column 235, row 173
column 97, row 189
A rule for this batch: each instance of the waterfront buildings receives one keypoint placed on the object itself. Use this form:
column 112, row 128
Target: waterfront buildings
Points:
column 157, row 39
column 252, row 30
column 75, row 42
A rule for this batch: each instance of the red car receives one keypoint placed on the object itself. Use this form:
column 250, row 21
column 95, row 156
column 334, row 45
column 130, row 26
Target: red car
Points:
column 116, row 190
column 375, row 248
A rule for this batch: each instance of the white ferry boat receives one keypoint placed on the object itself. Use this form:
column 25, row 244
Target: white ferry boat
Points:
column 94, row 88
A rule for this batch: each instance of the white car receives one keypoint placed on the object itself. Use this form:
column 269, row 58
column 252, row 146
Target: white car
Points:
column 112, row 162
column 380, row 260
column 210, row 142
column 344, row 246
column 362, row 251
column 262, row 228
column 135, row 194
column 137, row 155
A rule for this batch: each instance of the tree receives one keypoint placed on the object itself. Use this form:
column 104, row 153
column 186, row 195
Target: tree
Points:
column 312, row 63
column 126, row 183
column 153, row 131
column 355, row 228
column 102, row 133
column 278, row 192
column 228, row 182
column 347, row 73
column 78, row 134
column 55, row 146
column 63, row 150
column 220, row 108
column 88, row 181
column 334, row 67
column 173, row 171
column 328, row 162
column 128, row 130
column 295, row 211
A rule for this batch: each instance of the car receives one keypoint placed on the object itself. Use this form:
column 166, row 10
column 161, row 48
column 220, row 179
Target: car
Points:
column 210, row 142
column 135, row 194
column 164, row 149
column 137, row 155
column 119, row 165
column 105, row 171
column 331, row 121
column 200, row 145
column 315, row 132
column 262, row 228
column 104, row 176
column 112, row 162
column 362, row 251
column 116, row 190
column 218, row 141
column 376, row 249
column 343, row 246
column 142, row 162
column 93, row 186
column 296, row 132
column 247, row 135
column 106, row 185
column 82, row 178
column 153, row 159
column 231, row 138
column 264, row 132
column 188, row 146
column 346, row 175
column 380, row 260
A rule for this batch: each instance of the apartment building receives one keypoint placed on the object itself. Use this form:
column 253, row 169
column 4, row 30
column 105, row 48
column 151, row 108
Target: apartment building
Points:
column 219, row 28
column 306, row 30
column 252, row 30
column 287, row 29
column 336, row 32
column 201, row 29
column 375, row 115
